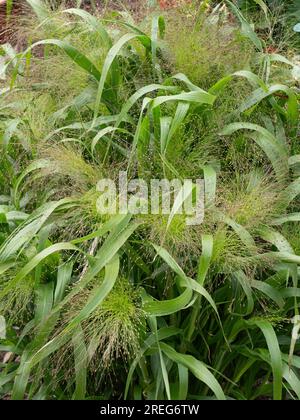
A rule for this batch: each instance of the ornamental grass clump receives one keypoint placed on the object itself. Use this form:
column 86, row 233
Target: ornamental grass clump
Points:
column 113, row 304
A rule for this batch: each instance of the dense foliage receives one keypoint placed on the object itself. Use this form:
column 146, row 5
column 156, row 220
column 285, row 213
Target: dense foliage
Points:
column 147, row 306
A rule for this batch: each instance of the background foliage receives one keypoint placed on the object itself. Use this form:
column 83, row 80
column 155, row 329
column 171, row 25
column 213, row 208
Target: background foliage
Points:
column 148, row 307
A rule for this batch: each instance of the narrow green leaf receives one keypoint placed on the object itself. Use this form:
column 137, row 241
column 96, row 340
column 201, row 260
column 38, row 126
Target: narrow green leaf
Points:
column 198, row 369
column 275, row 355
column 80, row 362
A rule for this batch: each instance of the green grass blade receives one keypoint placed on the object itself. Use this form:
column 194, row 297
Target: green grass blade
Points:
column 35, row 261
column 64, row 274
column 111, row 56
column 93, row 22
column 43, row 301
column 162, row 334
column 205, row 259
column 198, row 369
column 168, row 307
column 80, row 362
column 275, row 355
column 245, row 26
